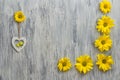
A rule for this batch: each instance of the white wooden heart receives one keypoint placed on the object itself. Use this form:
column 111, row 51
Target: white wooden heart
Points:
column 18, row 49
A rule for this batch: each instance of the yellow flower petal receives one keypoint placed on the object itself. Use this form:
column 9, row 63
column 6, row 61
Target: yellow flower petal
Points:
column 103, row 43
column 64, row 64
column 104, row 24
column 104, row 62
column 105, row 6
column 19, row 16
column 84, row 64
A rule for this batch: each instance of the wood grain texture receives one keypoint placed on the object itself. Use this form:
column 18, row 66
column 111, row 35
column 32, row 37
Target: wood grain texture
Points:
column 54, row 29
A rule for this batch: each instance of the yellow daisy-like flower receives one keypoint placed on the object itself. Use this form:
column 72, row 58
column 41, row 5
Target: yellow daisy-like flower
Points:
column 105, row 24
column 84, row 64
column 103, row 43
column 19, row 16
column 105, row 6
column 104, row 62
column 64, row 64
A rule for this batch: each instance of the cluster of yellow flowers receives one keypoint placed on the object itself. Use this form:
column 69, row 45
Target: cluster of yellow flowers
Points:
column 84, row 63
column 104, row 42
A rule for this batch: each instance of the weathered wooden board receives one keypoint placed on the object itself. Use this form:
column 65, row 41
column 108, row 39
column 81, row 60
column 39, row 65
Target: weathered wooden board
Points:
column 54, row 29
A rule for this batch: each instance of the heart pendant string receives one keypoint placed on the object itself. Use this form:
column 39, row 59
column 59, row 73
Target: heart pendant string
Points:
column 18, row 30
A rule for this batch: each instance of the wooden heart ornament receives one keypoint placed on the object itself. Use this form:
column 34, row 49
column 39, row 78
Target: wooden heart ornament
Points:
column 18, row 43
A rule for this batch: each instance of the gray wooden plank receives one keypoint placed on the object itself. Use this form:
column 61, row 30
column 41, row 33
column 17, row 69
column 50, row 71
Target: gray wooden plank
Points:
column 54, row 29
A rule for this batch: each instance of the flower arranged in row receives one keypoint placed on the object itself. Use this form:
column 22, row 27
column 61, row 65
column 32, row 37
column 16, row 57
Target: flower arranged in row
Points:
column 84, row 63
column 104, row 42
column 104, row 25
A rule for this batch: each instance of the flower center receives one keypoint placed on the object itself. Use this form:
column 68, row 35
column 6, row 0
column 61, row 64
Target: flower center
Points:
column 105, row 6
column 84, row 63
column 19, row 16
column 64, row 64
column 104, row 61
column 105, row 24
column 103, row 42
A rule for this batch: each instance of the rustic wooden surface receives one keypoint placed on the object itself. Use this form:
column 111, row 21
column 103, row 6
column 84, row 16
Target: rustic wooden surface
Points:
column 54, row 29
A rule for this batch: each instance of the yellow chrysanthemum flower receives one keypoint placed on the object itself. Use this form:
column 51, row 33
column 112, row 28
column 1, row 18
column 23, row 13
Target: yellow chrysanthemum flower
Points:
column 103, row 43
column 104, row 62
column 84, row 64
column 64, row 64
column 19, row 16
column 105, row 6
column 105, row 24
